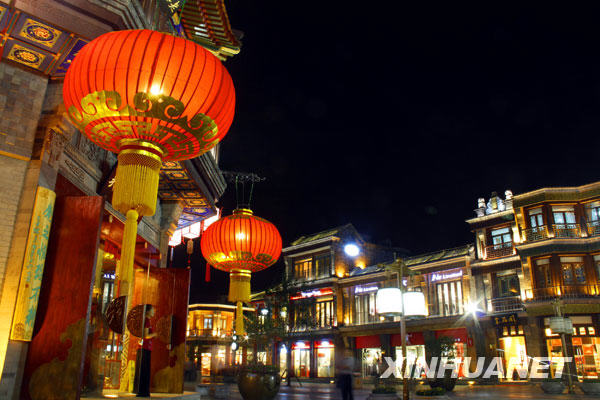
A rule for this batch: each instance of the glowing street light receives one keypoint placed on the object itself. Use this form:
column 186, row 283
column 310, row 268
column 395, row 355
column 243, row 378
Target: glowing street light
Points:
column 351, row 250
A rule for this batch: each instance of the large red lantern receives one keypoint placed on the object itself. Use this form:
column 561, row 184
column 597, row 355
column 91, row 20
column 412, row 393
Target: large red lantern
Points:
column 150, row 97
column 240, row 244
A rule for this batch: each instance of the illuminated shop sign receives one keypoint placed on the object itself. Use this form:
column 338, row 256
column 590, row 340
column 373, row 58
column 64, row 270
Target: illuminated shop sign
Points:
column 300, row 345
column 312, row 293
column 365, row 289
column 109, row 275
column 443, row 276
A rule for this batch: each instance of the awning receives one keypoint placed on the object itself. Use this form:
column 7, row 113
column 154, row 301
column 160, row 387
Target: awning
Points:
column 459, row 334
column 367, row 342
column 412, row 339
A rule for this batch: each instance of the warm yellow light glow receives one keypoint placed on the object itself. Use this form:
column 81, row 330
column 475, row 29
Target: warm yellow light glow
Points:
column 360, row 264
column 240, row 236
column 558, row 292
column 471, row 383
column 155, row 89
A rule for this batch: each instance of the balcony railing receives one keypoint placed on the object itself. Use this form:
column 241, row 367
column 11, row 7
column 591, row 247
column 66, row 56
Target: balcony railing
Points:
column 535, row 234
column 215, row 333
column 566, row 230
column 594, row 228
column 499, row 250
column 564, row 292
column 507, row 304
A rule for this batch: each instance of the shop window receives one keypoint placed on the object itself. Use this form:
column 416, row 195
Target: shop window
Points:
column 508, row 285
column 301, row 362
column 302, row 269
column 322, row 265
column 449, row 298
column 372, row 362
column 325, row 360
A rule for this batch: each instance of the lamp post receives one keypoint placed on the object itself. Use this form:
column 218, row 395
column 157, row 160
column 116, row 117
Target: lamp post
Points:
column 564, row 327
column 391, row 302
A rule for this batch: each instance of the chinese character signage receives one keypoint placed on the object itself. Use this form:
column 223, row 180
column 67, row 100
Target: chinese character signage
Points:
column 33, row 265
column 510, row 319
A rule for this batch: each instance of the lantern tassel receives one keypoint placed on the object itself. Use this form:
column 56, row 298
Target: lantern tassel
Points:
column 239, row 319
column 207, row 276
column 239, row 293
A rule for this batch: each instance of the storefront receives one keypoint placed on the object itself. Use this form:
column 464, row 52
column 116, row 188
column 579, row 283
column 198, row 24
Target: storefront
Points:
column 369, row 348
column 460, row 344
column 415, row 350
column 325, row 359
column 321, row 355
column 511, row 346
column 301, row 359
column 586, row 346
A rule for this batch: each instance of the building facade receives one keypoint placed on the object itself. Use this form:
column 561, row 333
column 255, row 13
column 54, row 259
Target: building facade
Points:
column 61, row 237
column 532, row 252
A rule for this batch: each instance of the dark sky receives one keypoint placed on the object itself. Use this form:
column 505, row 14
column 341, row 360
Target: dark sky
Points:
column 397, row 120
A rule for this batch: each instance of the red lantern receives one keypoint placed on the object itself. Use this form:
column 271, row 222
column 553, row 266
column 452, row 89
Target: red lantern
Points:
column 150, row 97
column 241, row 244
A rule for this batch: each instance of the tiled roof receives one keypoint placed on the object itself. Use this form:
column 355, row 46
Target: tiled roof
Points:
column 439, row 255
column 367, row 270
column 321, row 235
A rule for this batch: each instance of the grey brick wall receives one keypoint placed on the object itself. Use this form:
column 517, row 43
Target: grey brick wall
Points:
column 12, row 175
column 21, row 98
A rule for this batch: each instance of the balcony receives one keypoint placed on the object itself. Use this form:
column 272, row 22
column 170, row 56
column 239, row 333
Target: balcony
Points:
column 499, row 250
column 535, row 234
column 563, row 292
column 566, row 230
column 507, row 304
column 208, row 333
column 594, row 229
column 557, row 231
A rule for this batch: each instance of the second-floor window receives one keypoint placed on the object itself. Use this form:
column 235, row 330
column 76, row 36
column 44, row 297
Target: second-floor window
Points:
column 501, row 238
column 324, row 314
column 449, row 298
column 573, row 270
column 322, row 265
column 536, row 218
column 508, row 285
column 543, row 278
column 302, row 268
column 364, row 306
column 208, row 322
column 564, row 221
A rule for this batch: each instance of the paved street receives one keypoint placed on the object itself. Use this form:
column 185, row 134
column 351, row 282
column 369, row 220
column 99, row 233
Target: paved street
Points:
column 497, row 392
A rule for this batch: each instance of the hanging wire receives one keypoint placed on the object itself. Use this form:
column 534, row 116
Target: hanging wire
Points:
column 241, row 178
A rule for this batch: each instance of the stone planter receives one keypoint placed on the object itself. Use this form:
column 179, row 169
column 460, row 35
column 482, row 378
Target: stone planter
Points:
column 553, row 387
column 258, row 386
column 591, row 388
column 382, row 396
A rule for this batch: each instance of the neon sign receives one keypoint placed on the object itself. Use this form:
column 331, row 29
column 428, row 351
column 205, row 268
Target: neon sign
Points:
column 312, row 293
column 365, row 289
column 446, row 275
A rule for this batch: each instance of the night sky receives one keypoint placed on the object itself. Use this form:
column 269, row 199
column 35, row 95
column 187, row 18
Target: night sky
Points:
column 398, row 120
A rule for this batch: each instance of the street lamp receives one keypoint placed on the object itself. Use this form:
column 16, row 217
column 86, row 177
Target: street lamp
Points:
column 394, row 302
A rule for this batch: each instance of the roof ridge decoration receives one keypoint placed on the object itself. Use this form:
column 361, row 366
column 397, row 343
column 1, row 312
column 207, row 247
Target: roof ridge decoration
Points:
column 325, row 234
column 206, row 22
